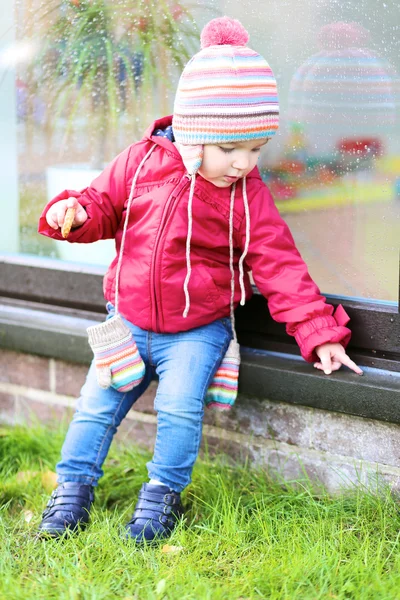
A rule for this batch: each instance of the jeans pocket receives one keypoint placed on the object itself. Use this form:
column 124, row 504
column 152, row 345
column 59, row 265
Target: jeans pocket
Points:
column 226, row 322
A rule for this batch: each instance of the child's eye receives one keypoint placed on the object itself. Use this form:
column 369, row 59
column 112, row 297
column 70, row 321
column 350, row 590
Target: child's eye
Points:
column 256, row 150
column 226, row 150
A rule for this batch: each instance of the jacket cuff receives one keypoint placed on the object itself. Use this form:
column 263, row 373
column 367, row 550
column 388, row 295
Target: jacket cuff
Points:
column 323, row 330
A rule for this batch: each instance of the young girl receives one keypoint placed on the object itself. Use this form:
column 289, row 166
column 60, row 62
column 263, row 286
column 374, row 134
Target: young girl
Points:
column 190, row 216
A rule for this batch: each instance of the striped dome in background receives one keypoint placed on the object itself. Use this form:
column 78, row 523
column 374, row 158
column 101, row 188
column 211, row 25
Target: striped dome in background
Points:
column 343, row 84
column 227, row 92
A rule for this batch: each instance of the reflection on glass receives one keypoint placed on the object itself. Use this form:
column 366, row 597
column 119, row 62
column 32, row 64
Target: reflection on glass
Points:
column 100, row 71
column 343, row 96
column 338, row 165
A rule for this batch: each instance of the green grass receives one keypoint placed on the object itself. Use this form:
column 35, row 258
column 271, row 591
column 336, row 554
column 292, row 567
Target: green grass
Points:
column 245, row 535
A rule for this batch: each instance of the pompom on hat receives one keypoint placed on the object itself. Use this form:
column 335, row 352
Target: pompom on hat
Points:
column 223, row 32
column 227, row 92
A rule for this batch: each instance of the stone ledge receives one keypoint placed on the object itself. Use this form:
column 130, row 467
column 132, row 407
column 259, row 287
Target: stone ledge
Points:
column 313, row 429
column 39, row 329
column 291, row 462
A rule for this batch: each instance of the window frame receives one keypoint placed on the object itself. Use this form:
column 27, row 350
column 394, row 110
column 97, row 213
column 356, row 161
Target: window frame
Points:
column 46, row 306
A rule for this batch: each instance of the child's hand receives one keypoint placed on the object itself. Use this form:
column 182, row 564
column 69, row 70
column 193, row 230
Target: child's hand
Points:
column 56, row 214
column 332, row 357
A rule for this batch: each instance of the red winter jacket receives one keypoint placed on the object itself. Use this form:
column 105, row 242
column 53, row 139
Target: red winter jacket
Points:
column 154, row 262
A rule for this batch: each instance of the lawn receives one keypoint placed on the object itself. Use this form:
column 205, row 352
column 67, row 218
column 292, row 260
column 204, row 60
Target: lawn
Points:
column 245, row 535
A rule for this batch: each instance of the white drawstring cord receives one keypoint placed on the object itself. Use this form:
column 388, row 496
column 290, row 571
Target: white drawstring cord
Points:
column 246, row 245
column 231, row 267
column 128, row 208
column 188, row 240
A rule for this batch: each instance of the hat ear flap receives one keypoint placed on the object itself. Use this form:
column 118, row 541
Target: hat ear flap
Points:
column 192, row 156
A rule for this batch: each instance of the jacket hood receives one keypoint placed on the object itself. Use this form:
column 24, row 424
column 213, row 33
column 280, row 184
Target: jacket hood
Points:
column 162, row 123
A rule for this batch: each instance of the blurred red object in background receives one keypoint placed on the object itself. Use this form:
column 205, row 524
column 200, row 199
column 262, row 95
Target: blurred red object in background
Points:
column 361, row 146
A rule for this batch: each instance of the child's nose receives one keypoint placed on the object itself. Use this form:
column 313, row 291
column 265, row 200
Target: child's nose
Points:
column 241, row 162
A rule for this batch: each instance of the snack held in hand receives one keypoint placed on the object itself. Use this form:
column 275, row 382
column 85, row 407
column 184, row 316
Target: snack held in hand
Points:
column 69, row 219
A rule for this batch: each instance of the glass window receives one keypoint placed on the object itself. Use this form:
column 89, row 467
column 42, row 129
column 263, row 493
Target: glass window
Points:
column 82, row 79
column 334, row 169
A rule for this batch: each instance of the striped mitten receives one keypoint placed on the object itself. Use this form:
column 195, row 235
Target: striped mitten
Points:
column 117, row 358
column 223, row 389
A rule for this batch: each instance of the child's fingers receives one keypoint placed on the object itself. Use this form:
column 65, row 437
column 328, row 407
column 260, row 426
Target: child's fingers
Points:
column 326, row 363
column 51, row 218
column 61, row 209
column 335, row 366
column 55, row 216
column 80, row 215
column 72, row 202
column 346, row 360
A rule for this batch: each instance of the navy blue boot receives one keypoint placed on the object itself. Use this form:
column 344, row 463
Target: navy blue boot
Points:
column 157, row 512
column 67, row 510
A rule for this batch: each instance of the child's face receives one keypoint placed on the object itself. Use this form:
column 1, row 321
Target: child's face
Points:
column 223, row 164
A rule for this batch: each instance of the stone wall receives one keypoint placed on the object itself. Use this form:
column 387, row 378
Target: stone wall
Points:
column 293, row 442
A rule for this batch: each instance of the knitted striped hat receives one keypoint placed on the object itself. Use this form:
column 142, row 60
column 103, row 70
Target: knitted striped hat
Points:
column 226, row 93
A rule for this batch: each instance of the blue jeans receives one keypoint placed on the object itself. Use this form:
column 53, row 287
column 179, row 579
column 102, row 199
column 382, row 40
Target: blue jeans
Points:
column 185, row 364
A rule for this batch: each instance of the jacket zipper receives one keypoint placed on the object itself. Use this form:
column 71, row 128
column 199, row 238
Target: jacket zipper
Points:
column 174, row 197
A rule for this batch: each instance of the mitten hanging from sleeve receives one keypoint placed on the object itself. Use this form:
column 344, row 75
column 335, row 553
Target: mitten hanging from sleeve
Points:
column 223, row 389
column 117, row 359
